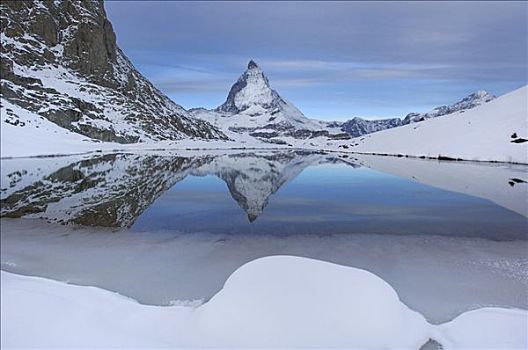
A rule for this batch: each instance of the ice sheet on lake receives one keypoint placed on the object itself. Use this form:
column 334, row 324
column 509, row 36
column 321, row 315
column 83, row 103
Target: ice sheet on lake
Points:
column 438, row 276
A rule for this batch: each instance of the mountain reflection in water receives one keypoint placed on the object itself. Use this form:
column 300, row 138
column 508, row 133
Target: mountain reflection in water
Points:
column 334, row 194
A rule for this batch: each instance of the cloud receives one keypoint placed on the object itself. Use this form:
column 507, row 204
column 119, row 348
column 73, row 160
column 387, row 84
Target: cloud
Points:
column 316, row 52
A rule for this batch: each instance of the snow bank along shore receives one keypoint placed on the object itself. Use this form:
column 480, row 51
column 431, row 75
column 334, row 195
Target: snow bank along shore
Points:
column 271, row 302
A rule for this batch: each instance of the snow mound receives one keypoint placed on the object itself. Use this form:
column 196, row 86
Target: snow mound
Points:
column 272, row 302
column 286, row 301
column 479, row 329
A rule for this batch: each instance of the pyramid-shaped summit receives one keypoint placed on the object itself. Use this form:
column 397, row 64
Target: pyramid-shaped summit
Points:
column 251, row 91
column 252, row 96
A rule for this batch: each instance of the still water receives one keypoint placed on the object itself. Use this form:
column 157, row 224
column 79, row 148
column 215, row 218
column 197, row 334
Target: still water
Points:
column 170, row 228
column 266, row 193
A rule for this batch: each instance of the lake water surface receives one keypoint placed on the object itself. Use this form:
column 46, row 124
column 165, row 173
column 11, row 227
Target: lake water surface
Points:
column 169, row 228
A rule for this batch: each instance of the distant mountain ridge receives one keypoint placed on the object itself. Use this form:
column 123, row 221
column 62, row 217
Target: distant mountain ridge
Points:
column 471, row 101
column 254, row 108
column 356, row 127
column 60, row 60
column 251, row 91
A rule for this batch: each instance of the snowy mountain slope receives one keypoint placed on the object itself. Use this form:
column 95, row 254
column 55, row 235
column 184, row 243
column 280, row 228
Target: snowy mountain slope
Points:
column 252, row 107
column 495, row 131
column 358, row 126
column 22, row 129
column 471, row 101
column 60, row 60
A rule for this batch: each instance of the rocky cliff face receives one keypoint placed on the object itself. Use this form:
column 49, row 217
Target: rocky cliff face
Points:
column 60, row 60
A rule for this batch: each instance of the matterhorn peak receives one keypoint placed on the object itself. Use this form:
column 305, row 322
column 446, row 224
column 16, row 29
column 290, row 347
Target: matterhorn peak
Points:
column 252, row 90
column 252, row 104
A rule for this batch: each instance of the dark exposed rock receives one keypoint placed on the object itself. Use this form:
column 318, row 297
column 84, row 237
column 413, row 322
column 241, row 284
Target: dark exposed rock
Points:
column 266, row 135
column 74, row 42
column 252, row 64
column 342, row 136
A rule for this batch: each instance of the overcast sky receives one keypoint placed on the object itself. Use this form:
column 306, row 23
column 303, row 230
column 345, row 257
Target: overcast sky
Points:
column 333, row 60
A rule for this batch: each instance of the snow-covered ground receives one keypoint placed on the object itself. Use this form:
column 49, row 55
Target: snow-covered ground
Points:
column 273, row 302
column 483, row 133
column 31, row 134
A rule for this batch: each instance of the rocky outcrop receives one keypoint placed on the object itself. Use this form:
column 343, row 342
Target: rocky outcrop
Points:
column 60, row 60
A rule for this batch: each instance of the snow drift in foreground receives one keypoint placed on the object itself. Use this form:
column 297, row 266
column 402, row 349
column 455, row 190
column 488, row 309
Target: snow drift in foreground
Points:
column 490, row 132
column 279, row 301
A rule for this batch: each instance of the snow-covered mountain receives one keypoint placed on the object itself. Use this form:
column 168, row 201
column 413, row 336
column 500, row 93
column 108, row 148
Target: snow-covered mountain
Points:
column 358, row 126
column 493, row 131
column 253, row 107
column 471, row 101
column 62, row 69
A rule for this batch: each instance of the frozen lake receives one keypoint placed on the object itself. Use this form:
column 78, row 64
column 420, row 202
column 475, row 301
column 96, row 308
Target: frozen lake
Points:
column 170, row 228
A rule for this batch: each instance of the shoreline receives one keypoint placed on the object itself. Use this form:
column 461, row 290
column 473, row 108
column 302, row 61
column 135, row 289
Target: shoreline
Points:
column 439, row 158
